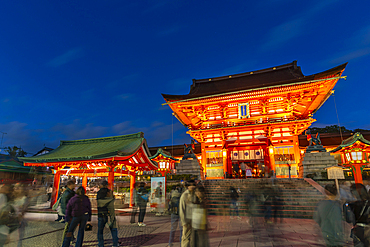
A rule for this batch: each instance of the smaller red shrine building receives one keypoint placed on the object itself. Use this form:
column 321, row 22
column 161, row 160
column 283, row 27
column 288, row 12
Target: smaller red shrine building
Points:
column 124, row 155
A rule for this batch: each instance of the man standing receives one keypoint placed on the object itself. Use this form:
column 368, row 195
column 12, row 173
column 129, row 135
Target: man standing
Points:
column 106, row 214
column 185, row 210
column 67, row 195
column 142, row 199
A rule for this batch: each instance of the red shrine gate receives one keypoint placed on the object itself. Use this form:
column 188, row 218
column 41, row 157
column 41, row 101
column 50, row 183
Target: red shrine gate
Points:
column 253, row 118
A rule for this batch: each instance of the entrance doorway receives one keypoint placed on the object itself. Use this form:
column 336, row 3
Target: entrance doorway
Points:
column 255, row 166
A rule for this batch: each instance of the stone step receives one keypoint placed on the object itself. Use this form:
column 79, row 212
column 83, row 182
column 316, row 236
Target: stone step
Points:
column 298, row 198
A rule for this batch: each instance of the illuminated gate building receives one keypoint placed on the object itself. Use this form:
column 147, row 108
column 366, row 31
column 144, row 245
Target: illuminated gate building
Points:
column 253, row 119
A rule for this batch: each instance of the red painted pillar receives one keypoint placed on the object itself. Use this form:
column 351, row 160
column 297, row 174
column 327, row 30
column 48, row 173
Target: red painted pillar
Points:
column 111, row 179
column 84, row 181
column 356, row 168
column 56, row 184
column 132, row 186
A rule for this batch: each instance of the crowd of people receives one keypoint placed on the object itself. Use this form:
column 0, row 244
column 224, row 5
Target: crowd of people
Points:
column 351, row 205
column 187, row 206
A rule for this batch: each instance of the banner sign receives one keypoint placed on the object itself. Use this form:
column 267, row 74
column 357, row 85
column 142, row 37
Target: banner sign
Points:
column 158, row 193
column 256, row 154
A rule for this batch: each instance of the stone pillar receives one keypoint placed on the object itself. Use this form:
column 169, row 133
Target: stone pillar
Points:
column 56, row 184
column 132, row 186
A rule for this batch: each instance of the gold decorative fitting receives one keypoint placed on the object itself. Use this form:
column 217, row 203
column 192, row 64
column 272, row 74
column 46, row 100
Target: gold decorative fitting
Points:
column 273, row 68
column 209, row 79
column 251, row 73
column 229, row 76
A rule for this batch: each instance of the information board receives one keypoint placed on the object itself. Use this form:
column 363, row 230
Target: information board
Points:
column 335, row 172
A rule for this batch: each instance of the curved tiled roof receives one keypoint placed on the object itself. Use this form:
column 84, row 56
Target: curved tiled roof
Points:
column 89, row 149
column 274, row 76
column 351, row 140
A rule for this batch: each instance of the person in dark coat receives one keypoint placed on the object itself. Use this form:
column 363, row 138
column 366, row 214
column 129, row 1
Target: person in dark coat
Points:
column 329, row 217
column 67, row 195
column 142, row 199
column 78, row 212
column 106, row 214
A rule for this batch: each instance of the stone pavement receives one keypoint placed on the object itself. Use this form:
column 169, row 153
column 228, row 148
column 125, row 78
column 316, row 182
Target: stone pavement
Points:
column 42, row 230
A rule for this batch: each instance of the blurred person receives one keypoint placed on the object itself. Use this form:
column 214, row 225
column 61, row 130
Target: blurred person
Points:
column 78, row 212
column 49, row 191
column 199, row 236
column 67, row 195
column 243, row 167
column 267, row 199
column 159, row 194
column 5, row 197
column 135, row 206
column 360, row 210
column 345, row 192
column 58, row 203
column 106, row 214
column 329, row 217
column 175, row 218
column 278, row 203
column 234, row 208
column 20, row 203
column 142, row 199
column 186, row 203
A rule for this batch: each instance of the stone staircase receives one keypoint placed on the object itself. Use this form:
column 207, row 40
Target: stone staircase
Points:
column 293, row 198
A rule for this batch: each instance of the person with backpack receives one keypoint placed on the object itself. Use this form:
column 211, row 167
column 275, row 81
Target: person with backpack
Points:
column 106, row 214
column 142, row 199
column 358, row 214
column 78, row 212
column 175, row 218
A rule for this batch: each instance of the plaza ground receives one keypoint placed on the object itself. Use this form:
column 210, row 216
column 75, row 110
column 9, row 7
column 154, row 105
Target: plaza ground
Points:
column 42, row 230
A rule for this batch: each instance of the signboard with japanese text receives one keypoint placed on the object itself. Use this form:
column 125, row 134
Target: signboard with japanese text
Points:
column 335, row 172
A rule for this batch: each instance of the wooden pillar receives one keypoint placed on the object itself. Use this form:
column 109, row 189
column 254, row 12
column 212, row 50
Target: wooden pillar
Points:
column 356, row 168
column 132, row 186
column 54, row 196
column 84, row 181
column 111, row 179
column 224, row 159
column 204, row 158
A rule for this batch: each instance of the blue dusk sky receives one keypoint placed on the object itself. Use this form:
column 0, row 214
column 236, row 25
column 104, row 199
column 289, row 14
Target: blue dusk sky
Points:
column 85, row 69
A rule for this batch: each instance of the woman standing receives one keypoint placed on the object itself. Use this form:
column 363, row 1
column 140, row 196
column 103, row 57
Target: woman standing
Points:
column 78, row 212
